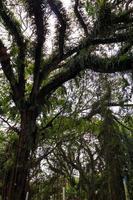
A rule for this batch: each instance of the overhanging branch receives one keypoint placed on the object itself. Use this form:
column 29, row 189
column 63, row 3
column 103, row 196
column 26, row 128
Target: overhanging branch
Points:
column 86, row 43
column 7, row 69
column 80, row 18
column 83, row 62
column 14, row 28
column 57, row 8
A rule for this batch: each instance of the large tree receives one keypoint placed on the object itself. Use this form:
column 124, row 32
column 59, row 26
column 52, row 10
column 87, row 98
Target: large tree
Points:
column 34, row 69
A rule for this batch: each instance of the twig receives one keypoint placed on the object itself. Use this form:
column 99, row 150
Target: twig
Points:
column 10, row 127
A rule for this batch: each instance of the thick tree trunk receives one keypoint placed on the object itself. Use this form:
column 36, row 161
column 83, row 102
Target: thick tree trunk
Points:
column 113, row 156
column 17, row 181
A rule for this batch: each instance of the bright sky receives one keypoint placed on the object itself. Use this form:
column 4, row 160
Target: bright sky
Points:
column 66, row 3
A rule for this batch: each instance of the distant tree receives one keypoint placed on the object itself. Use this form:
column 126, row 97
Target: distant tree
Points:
column 94, row 146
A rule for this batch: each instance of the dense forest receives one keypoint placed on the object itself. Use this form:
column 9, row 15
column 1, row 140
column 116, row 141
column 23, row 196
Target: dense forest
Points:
column 66, row 102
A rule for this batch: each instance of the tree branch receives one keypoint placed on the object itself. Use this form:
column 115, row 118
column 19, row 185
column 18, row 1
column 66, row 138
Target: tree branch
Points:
column 122, row 124
column 86, row 43
column 82, row 62
column 80, row 18
column 13, row 26
column 61, row 16
column 9, row 125
column 124, row 17
column 7, row 69
column 36, row 9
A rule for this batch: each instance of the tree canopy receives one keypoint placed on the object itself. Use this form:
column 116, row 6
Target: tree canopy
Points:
column 66, row 77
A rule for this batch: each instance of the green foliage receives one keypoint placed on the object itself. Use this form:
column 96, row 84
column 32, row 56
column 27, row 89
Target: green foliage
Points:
column 123, row 57
column 101, row 2
column 90, row 8
column 66, row 127
column 71, row 193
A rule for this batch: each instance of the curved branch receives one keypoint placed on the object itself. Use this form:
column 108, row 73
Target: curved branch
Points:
column 86, row 43
column 13, row 26
column 83, row 62
column 61, row 16
column 80, row 18
column 7, row 69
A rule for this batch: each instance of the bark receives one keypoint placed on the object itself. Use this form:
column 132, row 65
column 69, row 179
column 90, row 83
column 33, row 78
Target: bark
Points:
column 113, row 156
column 17, row 179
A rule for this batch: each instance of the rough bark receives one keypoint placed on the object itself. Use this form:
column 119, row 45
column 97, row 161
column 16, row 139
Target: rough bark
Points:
column 17, row 182
column 110, row 142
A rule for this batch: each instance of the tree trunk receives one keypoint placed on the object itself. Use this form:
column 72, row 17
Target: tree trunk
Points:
column 113, row 156
column 17, row 180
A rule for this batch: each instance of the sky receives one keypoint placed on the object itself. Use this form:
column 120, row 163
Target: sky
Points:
column 66, row 3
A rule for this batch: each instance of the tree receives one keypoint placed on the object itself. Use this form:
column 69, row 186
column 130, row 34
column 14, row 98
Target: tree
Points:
column 94, row 147
column 34, row 74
